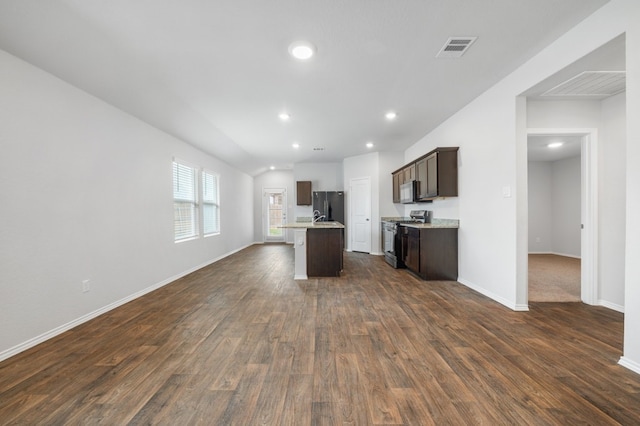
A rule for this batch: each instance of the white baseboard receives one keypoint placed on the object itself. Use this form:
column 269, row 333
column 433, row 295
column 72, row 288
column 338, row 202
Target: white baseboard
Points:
column 495, row 297
column 8, row 353
column 614, row 306
column 555, row 253
column 630, row 364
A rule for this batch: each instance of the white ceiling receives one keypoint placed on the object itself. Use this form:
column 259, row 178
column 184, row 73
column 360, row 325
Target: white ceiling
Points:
column 216, row 73
column 609, row 57
column 538, row 150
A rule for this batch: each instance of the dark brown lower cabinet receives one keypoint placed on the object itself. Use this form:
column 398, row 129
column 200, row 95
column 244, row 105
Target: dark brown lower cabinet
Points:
column 411, row 248
column 431, row 253
column 324, row 252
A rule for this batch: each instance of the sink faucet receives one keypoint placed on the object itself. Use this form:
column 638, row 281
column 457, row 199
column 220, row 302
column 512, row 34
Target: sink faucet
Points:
column 317, row 216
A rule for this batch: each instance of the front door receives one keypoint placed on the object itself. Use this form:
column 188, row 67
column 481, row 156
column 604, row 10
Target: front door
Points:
column 275, row 214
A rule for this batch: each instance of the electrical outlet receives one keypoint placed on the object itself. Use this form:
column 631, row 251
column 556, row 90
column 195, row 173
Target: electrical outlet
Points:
column 85, row 286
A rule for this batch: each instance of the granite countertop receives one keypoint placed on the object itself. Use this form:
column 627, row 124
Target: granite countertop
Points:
column 312, row 225
column 435, row 223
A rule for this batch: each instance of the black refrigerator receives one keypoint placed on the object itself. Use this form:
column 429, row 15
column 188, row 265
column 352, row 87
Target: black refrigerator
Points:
column 330, row 204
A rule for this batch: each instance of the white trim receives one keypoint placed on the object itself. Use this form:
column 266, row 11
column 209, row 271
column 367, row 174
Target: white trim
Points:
column 495, row 297
column 590, row 244
column 589, row 207
column 350, row 234
column 265, row 214
column 555, row 253
column 91, row 315
column 613, row 306
column 630, row 364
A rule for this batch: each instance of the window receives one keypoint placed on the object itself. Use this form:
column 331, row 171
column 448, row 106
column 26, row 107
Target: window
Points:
column 185, row 204
column 210, row 204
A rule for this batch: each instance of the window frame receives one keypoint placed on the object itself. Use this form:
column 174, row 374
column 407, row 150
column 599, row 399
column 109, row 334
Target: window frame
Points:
column 215, row 203
column 195, row 227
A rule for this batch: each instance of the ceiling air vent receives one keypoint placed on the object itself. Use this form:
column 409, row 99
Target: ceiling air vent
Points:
column 591, row 83
column 455, row 47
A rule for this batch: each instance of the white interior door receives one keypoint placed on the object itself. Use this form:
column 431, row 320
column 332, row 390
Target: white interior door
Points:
column 360, row 214
column 274, row 204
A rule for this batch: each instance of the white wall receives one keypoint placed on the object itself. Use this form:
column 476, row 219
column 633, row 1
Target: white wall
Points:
column 612, row 206
column 554, row 207
column 565, row 206
column 87, row 193
column 540, row 184
column 323, row 177
column 608, row 117
column 389, row 162
column 378, row 166
column 273, row 179
column 631, row 357
column 364, row 166
column 491, row 133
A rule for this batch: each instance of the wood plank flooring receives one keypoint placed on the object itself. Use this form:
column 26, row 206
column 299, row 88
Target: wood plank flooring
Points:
column 240, row 342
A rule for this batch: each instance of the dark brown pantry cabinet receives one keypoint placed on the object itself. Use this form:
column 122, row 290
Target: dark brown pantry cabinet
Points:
column 431, row 253
column 303, row 193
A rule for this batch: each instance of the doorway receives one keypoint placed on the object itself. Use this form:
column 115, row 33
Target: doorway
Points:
column 360, row 214
column 585, row 232
column 274, row 207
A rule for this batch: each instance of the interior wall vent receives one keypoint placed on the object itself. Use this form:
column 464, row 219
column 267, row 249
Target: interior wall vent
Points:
column 591, row 83
column 455, row 47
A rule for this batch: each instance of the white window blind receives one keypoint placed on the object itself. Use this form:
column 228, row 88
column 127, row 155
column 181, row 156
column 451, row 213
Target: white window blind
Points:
column 210, row 204
column 185, row 206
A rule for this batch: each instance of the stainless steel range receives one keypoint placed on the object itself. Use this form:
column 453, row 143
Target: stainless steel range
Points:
column 391, row 239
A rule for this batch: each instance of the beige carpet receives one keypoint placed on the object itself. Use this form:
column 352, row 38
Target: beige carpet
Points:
column 554, row 278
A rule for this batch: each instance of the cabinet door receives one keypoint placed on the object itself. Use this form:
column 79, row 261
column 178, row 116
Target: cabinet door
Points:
column 421, row 178
column 396, row 186
column 412, row 249
column 409, row 173
column 432, row 175
column 303, row 193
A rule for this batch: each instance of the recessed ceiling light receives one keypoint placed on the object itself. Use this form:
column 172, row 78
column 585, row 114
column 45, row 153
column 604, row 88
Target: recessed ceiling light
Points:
column 284, row 116
column 296, row 145
column 391, row 115
column 555, row 144
column 302, row 50
column 369, row 144
column 272, row 168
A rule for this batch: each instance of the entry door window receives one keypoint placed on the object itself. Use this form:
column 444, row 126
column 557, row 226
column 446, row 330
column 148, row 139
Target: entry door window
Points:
column 275, row 201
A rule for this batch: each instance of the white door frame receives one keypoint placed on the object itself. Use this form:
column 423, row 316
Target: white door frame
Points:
column 589, row 287
column 265, row 214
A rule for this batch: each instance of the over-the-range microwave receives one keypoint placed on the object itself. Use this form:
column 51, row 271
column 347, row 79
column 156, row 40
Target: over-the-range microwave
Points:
column 408, row 192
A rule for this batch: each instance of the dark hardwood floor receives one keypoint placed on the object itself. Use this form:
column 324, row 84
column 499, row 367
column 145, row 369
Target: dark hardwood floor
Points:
column 241, row 342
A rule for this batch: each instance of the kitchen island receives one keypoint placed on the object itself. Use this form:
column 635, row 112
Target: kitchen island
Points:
column 318, row 249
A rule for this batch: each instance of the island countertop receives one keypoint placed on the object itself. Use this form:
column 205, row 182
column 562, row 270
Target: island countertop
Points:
column 312, row 225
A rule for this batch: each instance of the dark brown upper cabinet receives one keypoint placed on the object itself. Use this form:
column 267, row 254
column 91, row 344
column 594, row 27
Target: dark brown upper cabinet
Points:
column 436, row 174
column 303, row 193
column 397, row 181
